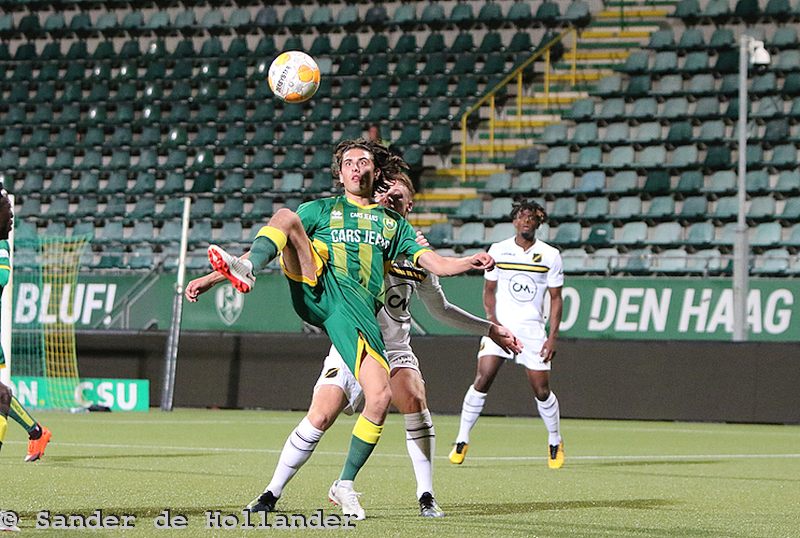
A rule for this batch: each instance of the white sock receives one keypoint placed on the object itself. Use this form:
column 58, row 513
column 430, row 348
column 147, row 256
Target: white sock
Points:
column 550, row 414
column 421, row 444
column 470, row 411
column 298, row 448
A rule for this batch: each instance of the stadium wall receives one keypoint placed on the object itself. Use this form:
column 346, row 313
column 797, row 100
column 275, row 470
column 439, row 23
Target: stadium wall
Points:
column 650, row 380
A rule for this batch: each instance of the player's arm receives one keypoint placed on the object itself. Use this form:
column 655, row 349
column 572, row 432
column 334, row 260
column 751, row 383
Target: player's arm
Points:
column 433, row 297
column 556, row 306
column 449, row 266
column 202, row 284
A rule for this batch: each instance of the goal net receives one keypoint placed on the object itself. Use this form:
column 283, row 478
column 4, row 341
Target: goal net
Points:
column 43, row 339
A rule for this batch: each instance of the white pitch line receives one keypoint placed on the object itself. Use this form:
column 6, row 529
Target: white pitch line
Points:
column 641, row 457
column 734, row 430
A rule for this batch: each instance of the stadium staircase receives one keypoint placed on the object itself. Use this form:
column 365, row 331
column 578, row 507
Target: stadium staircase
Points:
column 578, row 58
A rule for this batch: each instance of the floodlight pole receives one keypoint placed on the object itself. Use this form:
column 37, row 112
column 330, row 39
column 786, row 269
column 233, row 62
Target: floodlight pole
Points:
column 741, row 249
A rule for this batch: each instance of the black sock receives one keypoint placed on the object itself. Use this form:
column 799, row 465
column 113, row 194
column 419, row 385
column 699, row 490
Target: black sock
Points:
column 35, row 433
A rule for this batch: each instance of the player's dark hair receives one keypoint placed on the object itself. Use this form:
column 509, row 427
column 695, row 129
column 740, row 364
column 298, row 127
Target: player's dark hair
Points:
column 523, row 204
column 388, row 163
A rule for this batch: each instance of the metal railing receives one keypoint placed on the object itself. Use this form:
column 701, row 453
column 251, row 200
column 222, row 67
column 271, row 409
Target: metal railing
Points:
column 517, row 73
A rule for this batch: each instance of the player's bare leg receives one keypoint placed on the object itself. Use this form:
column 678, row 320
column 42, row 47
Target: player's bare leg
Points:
column 374, row 380
column 547, row 404
column 474, row 400
column 408, row 396
column 326, row 405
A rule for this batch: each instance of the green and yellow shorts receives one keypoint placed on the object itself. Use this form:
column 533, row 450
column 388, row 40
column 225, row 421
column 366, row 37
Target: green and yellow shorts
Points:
column 342, row 311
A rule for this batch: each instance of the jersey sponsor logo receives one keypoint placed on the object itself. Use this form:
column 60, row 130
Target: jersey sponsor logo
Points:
column 229, row 304
column 331, row 373
column 347, row 235
column 522, row 287
column 397, row 301
column 363, row 216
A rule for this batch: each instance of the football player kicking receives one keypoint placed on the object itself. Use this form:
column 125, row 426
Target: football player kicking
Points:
column 337, row 389
column 333, row 253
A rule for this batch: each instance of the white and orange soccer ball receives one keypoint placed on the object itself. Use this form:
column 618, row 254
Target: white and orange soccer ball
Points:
column 294, row 76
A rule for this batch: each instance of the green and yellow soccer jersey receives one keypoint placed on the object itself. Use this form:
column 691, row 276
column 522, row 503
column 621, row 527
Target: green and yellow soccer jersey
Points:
column 357, row 242
column 5, row 271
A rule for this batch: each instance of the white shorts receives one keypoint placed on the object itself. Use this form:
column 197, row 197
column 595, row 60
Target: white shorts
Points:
column 532, row 338
column 335, row 372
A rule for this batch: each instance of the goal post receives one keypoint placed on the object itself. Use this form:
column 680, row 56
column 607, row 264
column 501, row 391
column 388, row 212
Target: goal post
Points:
column 171, row 351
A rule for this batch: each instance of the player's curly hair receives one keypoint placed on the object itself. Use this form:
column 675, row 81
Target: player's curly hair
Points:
column 523, row 204
column 390, row 165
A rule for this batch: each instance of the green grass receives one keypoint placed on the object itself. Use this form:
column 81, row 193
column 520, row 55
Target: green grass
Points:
column 621, row 478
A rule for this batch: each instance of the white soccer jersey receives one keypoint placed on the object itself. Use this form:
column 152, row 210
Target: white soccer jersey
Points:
column 402, row 280
column 523, row 277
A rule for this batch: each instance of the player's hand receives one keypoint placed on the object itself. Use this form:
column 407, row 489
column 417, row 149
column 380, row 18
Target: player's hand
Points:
column 482, row 261
column 548, row 351
column 505, row 339
column 422, row 240
column 197, row 287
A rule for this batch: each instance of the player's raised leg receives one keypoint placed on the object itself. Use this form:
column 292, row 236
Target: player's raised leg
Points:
column 284, row 233
column 474, row 400
column 38, row 435
column 547, row 404
column 408, row 396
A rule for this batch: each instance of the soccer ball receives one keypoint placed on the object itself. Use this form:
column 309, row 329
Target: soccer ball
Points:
column 294, row 76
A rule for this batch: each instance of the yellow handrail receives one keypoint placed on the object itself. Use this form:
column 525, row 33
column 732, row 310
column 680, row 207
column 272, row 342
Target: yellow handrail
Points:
column 516, row 73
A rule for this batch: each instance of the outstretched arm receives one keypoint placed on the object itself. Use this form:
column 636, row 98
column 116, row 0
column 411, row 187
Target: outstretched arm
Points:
column 449, row 266
column 433, row 296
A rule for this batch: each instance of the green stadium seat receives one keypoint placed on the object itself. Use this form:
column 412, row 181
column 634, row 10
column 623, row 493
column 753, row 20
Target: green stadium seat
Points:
column 694, row 208
column 766, row 234
column 784, row 156
column 589, row 157
column 115, row 207
column 666, row 233
column 117, row 182
column 627, row 208
column 177, row 159
column 680, row 132
column 661, row 207
column 717, row 157
column 585, row 133
column 145, row 208
column 700, row 234
column 498, row 183
column 685, row 156
column 652, row 157
column 788, row 182
column 32, row 184
column 231, row 231
column 559, row 183
column 469, row 234
column 773, row 261
column 294, row 159
column 173, row 183
column 499, row 209
column 726, row 208
column 632, row 233
column 61, row 182
column 527, row 182
column 612, row 109
column 600, row 235
column 595, row 209
column 233, row 208
column 568, row 234
column 262, row 209
column 609, row 86
column 469, row 209
column 761, row 208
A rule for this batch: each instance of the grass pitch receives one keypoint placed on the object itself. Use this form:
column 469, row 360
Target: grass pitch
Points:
column 621, row 478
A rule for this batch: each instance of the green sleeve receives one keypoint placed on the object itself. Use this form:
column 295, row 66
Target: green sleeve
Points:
column 405, row 242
